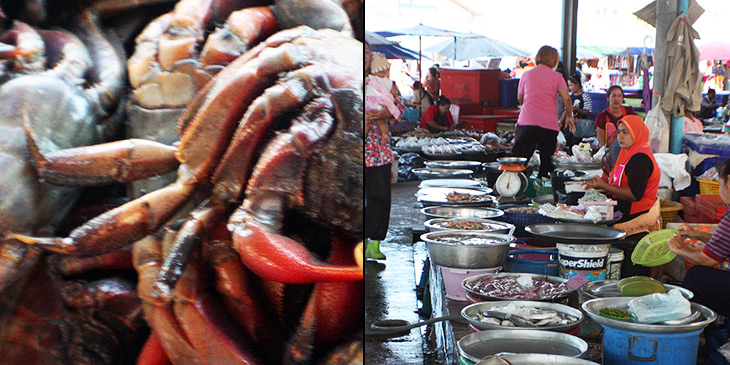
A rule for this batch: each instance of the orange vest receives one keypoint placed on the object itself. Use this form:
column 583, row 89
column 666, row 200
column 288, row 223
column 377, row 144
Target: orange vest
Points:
column 619, row 178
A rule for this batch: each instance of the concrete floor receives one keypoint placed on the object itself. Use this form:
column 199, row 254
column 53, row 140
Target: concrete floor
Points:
column 390, row 293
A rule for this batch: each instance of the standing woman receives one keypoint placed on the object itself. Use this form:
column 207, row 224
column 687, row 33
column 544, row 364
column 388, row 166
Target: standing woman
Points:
column 582, row 108
column 432, row 83
column 537, row 125
column 379, row 102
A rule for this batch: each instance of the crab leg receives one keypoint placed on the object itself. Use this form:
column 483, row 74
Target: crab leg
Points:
column 333, row 311
column 73, row 265
column 113, row 162
column 26, row 47
column 120, row 226
column 159, row 315
column 153, row 353
column 234, row 283
column 212, row 334
column 242, row 29
column 188, row 240
column 16, row 261
column 279, row 258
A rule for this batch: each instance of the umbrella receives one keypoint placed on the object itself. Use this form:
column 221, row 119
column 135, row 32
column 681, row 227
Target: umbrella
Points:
column 582, row 53
column 715, row 51
column 421, row 30
column 464, row 48
column 390, row 49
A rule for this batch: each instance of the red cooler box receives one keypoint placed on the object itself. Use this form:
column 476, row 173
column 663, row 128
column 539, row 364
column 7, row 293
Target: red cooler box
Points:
column 470, row 86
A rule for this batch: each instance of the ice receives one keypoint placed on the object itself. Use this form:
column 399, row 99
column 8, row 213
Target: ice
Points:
column 525, row 281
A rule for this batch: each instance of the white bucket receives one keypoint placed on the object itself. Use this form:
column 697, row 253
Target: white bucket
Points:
column 615, row 257
column 453, row 278
column 590, row 260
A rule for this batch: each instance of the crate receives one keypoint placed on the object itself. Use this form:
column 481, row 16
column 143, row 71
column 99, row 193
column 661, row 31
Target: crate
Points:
column 711, row 206
column 508, row 92
column 604, row 207
column 471, row 85
column 670, row 211
column 709, row 187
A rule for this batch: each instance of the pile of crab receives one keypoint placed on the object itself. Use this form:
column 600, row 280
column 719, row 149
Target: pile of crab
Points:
column 242, row 246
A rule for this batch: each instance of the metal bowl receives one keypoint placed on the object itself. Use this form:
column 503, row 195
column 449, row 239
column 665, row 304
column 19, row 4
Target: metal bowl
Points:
column 426, row 173
column 593, row 307
column 466, row 285
column 451, row 183
column 608, row 289
column 532, row 359
column 470, row 314
column 461, row 212
column 468, row 256
column 509, row 161
column 449, row 164
column 576, row 233
column 476, row 346
column 504, row 228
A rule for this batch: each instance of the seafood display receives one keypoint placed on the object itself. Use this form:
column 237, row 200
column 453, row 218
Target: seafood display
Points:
column 522, row 210
column 467, row 239
column 517, row 287
column 466, row 224
column 513, row 315
column 246, row 254
column 455, row 197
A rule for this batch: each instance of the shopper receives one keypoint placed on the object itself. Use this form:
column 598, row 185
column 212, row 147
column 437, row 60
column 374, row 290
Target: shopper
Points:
column 537, row 125
column 634, row 179
column 432, row 83
column 438, row 117
column 582, row 108
column 380, row 105
column 421, row 99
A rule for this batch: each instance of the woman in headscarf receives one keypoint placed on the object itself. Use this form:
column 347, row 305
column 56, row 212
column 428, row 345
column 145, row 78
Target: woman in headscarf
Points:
column 634, row 179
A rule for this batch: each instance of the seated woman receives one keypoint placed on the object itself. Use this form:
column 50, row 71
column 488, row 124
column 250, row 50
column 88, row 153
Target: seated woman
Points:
column 709, row 285
column 438, row 117
column 634, row 179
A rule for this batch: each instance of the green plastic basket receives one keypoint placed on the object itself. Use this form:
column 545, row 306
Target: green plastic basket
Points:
column 653, row 249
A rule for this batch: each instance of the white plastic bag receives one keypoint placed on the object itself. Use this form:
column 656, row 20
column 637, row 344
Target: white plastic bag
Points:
column 654, row 308
column 658, row 126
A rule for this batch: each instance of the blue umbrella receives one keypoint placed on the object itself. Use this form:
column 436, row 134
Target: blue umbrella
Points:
column 465, row 48
column 390, row 49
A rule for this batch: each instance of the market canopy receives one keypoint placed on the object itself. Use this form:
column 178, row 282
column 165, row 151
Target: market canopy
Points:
column 715, row 51
column 474, row 46
column 422, row 30
column 391, row 50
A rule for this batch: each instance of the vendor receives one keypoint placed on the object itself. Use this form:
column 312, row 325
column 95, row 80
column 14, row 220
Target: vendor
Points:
column 438, row 117
column 634, row 179
column 708, row 105
column 607, row 120
column 709, row 285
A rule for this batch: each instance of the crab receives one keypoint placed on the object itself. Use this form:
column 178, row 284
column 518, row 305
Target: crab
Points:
column 305, row 83
column 179, row 52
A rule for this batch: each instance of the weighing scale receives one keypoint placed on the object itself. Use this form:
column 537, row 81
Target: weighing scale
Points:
column 512, row 183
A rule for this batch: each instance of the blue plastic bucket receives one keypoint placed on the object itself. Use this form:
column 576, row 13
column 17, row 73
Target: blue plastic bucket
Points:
column 543, row 262
column 629, row 347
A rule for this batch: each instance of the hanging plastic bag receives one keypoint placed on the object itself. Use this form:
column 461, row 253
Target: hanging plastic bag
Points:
column 658, row 126
column 654, row 308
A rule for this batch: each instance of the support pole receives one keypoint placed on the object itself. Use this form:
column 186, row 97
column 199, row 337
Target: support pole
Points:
column 420, row 71
column 677, row 128
column 570, row 30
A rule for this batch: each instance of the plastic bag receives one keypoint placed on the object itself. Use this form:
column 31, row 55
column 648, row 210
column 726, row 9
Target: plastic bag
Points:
column 654, row 308
column 406, row 163
column 658, row 126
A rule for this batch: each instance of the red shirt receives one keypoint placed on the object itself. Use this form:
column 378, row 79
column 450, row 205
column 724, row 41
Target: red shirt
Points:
column 431, row 114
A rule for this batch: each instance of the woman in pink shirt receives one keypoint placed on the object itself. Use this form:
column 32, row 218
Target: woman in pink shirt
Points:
column 537, row 126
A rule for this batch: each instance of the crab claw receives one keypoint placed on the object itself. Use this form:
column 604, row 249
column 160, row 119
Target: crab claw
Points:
column 282, row 259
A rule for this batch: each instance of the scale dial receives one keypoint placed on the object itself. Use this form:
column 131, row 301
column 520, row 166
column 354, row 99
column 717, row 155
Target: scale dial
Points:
column 510, row 183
